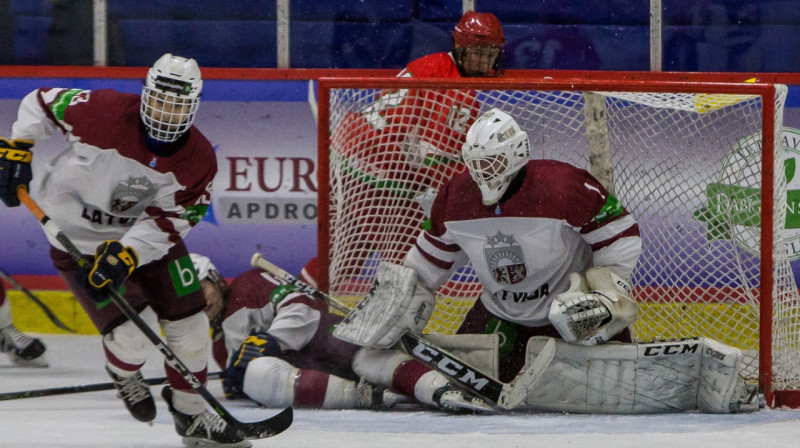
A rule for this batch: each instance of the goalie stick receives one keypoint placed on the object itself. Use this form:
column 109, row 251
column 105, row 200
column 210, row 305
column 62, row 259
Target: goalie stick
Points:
column 505, row 395
column 247, row 430
column 50, row 315
column 65, row 390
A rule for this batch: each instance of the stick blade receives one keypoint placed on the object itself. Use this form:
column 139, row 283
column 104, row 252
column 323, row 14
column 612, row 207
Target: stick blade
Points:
column 269, row 427
column 514, row 393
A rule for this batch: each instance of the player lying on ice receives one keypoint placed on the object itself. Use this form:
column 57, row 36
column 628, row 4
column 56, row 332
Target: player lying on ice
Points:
column 554, row 251
column 278, row 349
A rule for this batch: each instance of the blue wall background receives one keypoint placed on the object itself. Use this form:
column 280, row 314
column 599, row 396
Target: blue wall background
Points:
column 698, row 35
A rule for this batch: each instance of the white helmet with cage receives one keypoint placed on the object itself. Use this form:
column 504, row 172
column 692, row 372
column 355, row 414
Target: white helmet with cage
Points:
column 170, row 97
column 495, row 150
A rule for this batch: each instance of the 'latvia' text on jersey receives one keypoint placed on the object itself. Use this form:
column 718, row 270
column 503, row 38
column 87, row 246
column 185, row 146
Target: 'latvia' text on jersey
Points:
column 106, row 185
column 561, row 220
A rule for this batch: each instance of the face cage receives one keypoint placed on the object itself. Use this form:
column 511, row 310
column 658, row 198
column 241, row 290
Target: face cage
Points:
column 491, row 175
column 494, row 69
column 487, row 168
column 167, row 116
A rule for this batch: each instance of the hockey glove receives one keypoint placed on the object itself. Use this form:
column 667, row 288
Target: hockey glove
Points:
column 257, row 345
column 593, row 310
column 15, row 168
column 113, row 263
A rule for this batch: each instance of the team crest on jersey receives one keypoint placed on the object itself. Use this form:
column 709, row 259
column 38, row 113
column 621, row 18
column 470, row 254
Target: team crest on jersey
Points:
column 505, row 259
column 130, row 192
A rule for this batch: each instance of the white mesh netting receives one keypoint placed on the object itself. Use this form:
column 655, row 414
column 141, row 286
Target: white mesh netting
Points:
column 687, row 166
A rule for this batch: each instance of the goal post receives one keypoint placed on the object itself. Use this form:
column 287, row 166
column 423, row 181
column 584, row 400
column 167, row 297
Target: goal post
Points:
column 700, row 165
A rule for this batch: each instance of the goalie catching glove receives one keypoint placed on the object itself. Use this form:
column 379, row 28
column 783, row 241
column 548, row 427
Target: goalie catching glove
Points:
column 15, row 168
column 396, row 304
column 593, row 310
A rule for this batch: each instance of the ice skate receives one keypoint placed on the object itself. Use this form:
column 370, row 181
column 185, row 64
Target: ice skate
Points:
column 370, row 396
column 747, row 398
column 203, row 430
column 135, row 393
column 22, row 349
column 450, row 399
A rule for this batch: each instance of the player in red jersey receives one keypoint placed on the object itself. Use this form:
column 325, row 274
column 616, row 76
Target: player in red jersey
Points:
column 420, row 129
column 134, row 178
column 277, row 349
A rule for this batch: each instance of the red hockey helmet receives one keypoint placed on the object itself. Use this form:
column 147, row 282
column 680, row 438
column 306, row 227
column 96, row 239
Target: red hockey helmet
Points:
column 480, row 29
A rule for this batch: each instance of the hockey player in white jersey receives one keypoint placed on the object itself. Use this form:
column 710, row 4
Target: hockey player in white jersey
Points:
column 554, row 252
column 134, row 178
column 276, row 347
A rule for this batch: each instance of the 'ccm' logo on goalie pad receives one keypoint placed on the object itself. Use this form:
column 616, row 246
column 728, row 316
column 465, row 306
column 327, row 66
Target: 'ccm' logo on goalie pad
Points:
column 445, row 364
column 677, row 348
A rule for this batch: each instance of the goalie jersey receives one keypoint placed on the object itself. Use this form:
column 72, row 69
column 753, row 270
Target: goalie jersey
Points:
column 558, row 220
column 107, row 185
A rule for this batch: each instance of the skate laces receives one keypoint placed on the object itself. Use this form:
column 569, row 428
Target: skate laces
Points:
column 13, row 338
column 208, row 422
column 132, row 389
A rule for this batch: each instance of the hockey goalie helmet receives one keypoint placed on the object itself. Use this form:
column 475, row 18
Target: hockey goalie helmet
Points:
column 495, row 150
column 215, row 290
column 477, row 45
column 170, row 97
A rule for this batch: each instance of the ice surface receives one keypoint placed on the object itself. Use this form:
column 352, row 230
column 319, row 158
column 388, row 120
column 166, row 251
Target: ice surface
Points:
column 98, row 419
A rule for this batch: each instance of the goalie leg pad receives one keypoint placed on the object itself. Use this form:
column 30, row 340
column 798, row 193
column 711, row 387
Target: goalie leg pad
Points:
column 655, row 377
column 720, row 383
column 396, row 303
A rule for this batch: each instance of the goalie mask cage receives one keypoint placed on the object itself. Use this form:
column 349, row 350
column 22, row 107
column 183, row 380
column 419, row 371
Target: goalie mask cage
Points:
column 687, row 159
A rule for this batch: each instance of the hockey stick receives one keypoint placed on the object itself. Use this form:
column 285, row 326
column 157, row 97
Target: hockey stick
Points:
column 248, row 430
column 505, row 395
column 65, row 390
column 50, row 315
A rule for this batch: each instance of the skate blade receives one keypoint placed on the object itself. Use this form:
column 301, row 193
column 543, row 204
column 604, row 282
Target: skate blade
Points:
column 196, row 442
column 38, row 363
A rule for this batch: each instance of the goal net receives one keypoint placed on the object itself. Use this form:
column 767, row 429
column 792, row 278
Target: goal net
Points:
column 686, row 159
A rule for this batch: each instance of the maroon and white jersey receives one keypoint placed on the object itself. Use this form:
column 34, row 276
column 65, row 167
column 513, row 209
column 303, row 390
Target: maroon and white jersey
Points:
column 106, row 184
column 561, row 220
column 256, row 303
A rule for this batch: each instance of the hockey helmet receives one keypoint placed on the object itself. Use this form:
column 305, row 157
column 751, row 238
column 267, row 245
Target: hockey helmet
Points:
column 170, row 97
column 495, row 150
column 481, row 29
column 477, row 45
